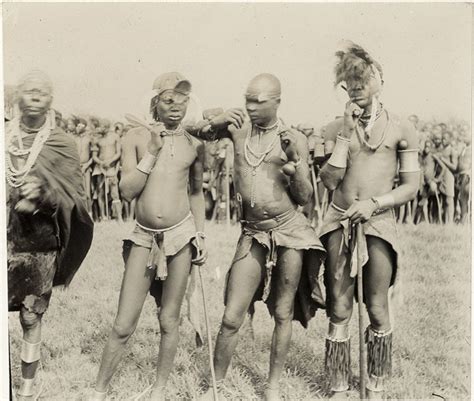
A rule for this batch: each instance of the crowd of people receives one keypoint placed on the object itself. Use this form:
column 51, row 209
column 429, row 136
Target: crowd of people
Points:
column 443, row 197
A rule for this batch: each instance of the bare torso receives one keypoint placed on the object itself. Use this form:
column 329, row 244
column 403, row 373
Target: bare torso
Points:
column 269, row 185
column 370, row 173
column 83, row 143
column 465, row 160
column 164, row 200
column 107, row 146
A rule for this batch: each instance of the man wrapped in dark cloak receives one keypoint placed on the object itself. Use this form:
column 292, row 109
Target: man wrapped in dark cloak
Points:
column 48, row 229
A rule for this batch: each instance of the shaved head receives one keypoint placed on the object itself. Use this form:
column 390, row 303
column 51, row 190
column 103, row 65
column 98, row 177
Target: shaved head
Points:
column 262, row 99
column 264, row 86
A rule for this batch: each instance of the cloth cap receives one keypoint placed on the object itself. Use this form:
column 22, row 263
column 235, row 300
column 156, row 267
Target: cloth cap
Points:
column 172, row 80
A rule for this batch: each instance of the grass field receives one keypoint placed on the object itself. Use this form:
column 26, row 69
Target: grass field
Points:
column 431, row 334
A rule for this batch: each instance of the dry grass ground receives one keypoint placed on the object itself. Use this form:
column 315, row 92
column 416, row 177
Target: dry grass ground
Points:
column 432, row 328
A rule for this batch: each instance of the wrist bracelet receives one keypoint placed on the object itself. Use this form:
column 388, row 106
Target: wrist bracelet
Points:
column 377, row 204
column 201, row 234
column 147, row 163
column 386, row 201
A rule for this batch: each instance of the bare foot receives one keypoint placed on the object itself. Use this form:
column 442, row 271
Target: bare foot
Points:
column 157, row 393
column 209, row 396
column 272, row 394
column 344, row 395
column 97, row 395
column 375, row 395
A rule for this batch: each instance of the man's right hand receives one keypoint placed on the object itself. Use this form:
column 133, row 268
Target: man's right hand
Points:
column 234, row 117
column 156, row 141
column 351, row 118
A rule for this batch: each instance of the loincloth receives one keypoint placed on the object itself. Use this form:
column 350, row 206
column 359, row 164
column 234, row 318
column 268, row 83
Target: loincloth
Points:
column 381, row 225
column 162, row 244
column 109, row 175
column 288, row 230
column 30, row 280
column 446, row 185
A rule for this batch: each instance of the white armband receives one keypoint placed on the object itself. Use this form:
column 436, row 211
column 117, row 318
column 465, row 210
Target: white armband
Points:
column 409, row 161
column 147, row 163
column 340, row 152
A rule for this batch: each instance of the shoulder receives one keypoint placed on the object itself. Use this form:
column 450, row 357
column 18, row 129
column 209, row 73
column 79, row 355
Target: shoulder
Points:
column 405, row 130
column 331, row 130
column 135, row 135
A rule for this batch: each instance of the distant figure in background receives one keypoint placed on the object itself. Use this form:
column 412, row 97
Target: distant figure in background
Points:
column 447, row 159
column 464, row 178
column 106, row 153
column 83, row 143
column 48, row 229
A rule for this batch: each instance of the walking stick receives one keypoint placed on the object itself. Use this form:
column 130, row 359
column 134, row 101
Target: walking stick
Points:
column 106, row 189
column 209, row 339
column 360, row 301
column 227, row 189
column 317, row 206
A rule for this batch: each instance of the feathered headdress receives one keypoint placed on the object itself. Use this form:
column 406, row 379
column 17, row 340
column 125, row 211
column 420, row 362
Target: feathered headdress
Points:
column 355, row 64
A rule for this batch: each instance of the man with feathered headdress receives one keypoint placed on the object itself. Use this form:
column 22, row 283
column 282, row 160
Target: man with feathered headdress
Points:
column 364, row 149
column 48, row 229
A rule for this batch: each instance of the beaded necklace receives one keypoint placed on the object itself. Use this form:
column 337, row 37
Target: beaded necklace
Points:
column 258, row 156
column 379, row 143
column 16, row 175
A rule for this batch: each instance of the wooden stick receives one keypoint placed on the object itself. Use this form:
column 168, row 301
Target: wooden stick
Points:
column 227, row 189
column 360, row 300
column 209, row 338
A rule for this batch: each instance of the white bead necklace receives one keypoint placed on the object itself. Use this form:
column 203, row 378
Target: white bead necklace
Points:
column 16, row 175
column 258, row 156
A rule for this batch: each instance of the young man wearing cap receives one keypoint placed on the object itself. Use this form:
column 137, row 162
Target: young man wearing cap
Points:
column 157, row 166
column 106, row 154
column 364, row 148
column 48, row 229
column 277, row 257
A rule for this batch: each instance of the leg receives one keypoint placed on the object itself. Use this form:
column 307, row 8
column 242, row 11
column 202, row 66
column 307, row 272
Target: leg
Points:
column 100, row 197
column 449, row 209
column 174, row 288
column 288, row 272
column 245, row 278
column 30, row 352
column 377, row 276
column 136, row 282
column 340, row 298
column 114, row 194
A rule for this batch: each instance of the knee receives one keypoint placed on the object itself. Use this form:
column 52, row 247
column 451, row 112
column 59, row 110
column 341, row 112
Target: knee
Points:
column 29, row 320
column 378, row 314
column 123, row 331
column 168, row 323
column 341, row 311
column 283, row 314
column 231, row 322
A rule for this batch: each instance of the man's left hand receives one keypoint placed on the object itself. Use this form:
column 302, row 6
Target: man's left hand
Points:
column 360, row 211
column 288, row 144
